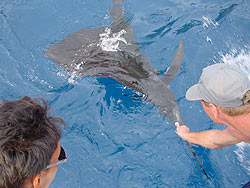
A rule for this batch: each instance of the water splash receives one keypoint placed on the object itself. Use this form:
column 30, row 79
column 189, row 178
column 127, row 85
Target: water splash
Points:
column 242, row 152
column 109, row 42
column 240, row 59
column 208, row 39
column 208, row 21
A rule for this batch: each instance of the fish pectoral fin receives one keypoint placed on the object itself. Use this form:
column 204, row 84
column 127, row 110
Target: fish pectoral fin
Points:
column 175, row 65
column 71, row 48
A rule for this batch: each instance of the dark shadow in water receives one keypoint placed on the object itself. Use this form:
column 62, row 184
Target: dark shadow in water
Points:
column 225, row 12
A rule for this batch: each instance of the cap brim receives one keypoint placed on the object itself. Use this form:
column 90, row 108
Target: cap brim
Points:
column 193, row 93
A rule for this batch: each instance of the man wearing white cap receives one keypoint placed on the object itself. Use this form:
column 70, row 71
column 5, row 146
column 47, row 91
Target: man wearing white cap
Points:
column 224, row 91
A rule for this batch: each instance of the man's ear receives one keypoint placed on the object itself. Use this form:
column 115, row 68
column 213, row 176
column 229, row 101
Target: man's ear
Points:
column 215, row 110
column 36, row 181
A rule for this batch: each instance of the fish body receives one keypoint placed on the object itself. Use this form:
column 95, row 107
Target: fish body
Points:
column 113, row 53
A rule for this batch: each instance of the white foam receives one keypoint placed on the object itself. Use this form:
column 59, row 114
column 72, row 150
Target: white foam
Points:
column 72, row 79
column 110, row 42
column 209, row 40
column 208, row 21
column 243, row 155
column 240, row 59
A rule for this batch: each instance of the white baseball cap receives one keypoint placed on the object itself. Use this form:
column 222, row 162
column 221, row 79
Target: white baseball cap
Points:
column 221, row 84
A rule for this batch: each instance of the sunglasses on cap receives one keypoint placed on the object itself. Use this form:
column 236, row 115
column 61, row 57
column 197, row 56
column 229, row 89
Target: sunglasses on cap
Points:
column 61, row 159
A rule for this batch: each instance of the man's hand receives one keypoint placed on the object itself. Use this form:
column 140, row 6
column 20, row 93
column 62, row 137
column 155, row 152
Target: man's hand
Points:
column 182, row 130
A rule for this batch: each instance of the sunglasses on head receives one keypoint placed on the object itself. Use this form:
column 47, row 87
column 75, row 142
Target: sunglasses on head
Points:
column 61, row 159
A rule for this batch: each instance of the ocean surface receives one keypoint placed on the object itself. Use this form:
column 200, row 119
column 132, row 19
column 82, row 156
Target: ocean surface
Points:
column 114, row 137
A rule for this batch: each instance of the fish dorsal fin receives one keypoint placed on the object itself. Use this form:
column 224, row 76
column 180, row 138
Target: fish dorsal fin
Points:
column 175, row 65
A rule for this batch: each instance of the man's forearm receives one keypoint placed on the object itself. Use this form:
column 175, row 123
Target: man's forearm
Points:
column 202, row 138
column 212, row 139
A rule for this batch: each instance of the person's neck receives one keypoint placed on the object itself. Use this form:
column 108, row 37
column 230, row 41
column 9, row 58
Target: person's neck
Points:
column 239, row 126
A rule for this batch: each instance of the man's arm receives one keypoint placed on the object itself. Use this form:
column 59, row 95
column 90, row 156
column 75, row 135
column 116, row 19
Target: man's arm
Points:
column 212, row 139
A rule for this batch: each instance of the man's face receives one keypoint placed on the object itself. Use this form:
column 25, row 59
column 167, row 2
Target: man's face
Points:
column 47, row 176
column 209, row 112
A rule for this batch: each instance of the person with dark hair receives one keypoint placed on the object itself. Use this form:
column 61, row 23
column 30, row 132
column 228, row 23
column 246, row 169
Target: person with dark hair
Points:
column 224, row 91
column 30, row 149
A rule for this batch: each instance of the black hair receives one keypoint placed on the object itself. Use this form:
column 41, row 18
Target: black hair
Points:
column 28, row 139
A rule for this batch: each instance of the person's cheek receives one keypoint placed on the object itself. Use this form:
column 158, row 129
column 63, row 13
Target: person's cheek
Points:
column 47, row 179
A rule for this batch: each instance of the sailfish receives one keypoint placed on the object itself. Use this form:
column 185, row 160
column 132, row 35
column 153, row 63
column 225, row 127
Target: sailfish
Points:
column 111, row 52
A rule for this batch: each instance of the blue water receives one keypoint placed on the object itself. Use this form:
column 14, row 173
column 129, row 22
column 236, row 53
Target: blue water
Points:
column 114, row 138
